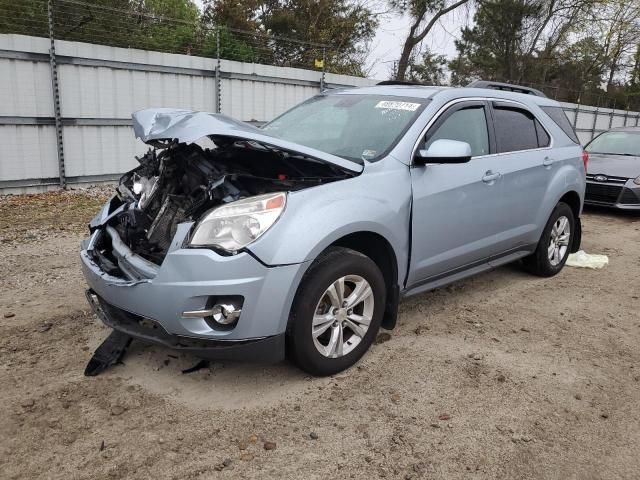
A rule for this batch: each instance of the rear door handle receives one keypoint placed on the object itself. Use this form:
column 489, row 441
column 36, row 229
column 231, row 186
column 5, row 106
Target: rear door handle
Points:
column 489, row 177
column 547, row 162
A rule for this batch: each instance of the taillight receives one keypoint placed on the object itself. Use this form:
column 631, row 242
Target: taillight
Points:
column 585, row 159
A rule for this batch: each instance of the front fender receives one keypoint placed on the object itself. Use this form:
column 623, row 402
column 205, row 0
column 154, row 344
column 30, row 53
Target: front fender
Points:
column 378, row 201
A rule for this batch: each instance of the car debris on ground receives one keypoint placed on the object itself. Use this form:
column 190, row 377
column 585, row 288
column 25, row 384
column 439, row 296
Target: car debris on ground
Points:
column 587, row 260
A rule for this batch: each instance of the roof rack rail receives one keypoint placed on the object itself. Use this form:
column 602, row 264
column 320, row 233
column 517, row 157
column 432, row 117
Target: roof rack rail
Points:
column 506, row 86
column 400, row 82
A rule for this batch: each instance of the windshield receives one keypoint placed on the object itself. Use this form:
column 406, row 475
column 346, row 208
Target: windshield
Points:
column 616, row 143
column 355, row 127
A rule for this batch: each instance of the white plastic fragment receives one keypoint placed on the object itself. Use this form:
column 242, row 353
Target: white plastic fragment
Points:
column 586, row 260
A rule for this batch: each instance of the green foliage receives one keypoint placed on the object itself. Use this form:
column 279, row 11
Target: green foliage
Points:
column 279, row 32
column 493, row 47
column 26, row 17
column 416, row 8
column 170, row 35
column 579, row 66
column 575, row 50
column 163, row 25
column 430, row 70
column 289, row 32
column 424, row 14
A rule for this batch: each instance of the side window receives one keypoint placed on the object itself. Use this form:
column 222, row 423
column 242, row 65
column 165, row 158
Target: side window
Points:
column 543, row 137
column 465, row 125
column 515, row 129
column 560, row 118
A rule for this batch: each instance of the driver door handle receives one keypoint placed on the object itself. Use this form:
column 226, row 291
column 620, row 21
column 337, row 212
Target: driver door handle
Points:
column 490, row 176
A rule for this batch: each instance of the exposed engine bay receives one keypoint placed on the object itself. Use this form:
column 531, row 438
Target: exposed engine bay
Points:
column 177, row 182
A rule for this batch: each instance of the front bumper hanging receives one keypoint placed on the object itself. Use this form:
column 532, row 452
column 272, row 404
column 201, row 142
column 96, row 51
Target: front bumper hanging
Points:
column 265, row 350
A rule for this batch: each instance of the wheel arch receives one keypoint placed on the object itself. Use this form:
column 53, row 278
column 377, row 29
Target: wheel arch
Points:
column 572, row 198
column 378, row 249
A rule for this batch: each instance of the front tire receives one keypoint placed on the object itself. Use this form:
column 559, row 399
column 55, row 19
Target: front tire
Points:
column 555, row 244
column 337, row 312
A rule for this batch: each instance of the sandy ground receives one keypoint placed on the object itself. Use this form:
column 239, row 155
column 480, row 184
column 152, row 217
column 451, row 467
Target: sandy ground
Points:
column 500, row 376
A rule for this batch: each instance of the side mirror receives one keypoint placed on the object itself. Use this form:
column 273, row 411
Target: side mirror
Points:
column 444, row 151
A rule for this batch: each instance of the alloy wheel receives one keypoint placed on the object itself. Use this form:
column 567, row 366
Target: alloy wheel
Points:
column 559, row 240
column 342, row 316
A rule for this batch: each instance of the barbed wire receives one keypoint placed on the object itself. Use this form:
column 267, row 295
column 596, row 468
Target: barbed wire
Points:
column 75, row 20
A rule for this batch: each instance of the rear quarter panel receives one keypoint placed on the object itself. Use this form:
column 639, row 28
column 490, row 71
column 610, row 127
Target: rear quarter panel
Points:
column 569, row 175
column 568, row 172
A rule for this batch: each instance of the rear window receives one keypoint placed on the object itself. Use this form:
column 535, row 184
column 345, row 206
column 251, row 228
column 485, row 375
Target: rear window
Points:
column 560, row 118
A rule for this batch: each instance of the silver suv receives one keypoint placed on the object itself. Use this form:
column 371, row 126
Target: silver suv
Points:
column 233, row 242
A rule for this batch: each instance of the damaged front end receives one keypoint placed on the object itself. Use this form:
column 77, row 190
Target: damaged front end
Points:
column 165, row 263
column 179, row 183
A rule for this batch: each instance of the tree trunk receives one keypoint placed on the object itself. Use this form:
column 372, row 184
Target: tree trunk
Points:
column 413, row 39
column 405, row 56
column 407, row 48
column 612, row 73
column 635, row 73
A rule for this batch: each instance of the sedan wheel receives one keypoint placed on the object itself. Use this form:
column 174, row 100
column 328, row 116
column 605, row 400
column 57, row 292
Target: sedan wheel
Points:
column 343, row 316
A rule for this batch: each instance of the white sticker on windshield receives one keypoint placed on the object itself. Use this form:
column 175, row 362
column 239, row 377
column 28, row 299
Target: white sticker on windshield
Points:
column 411, row 107
column 368, row 154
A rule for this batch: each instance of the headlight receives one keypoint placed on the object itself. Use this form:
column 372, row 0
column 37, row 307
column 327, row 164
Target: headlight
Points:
column 637, row 180
column 237, row 224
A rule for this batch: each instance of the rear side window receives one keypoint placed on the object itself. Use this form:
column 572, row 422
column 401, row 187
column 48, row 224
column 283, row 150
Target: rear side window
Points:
column 465, row 125
column 543, row 137
column 515, row 129
column 560, row 118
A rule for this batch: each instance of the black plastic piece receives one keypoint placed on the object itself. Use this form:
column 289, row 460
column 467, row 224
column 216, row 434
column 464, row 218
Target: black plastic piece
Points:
column 400, row 82
column 510, row 87
column 391, row 308
column 577, row 236
column 198, row 366
column 419, row 160
column 108, row 353
column 263, row 350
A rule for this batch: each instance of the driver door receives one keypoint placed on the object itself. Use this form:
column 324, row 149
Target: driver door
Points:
column 457, row 209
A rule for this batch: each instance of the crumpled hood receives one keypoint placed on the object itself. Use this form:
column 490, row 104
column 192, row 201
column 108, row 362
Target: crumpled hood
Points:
column 186, row 126
column 613, row 165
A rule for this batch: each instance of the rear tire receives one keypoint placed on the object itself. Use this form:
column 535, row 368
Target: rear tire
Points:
column 336, row 313
column 554, row 245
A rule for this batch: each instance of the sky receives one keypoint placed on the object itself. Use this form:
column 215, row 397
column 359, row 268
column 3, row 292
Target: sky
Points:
column 392, row 31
